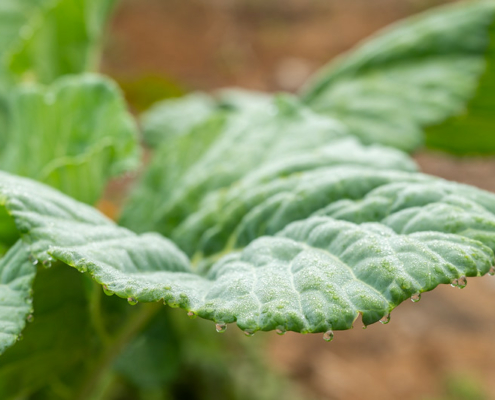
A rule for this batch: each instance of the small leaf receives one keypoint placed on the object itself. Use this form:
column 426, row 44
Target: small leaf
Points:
column 16, row 278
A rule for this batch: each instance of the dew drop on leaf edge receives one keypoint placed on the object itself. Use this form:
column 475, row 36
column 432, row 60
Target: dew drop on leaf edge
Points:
column 47, row 263
column 385, row 319
column 107, row 291
column 221, row 327
column 416, row 297
column 280, row 330
column 492, row 271
column 249, row 332
column 132, row 301
column 191, row 314
column 462, row 282
column 328, row 336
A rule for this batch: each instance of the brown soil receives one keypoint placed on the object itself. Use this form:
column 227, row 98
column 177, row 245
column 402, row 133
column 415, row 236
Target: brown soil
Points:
column 275, row 45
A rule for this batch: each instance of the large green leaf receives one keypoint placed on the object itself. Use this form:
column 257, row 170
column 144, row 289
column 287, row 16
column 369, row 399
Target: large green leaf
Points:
column 73, row 135
column 315, row 275
column 415, row 74
column 280, row 136
column 16, row 277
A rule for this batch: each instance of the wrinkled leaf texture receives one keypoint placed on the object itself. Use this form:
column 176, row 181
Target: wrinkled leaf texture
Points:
column 423, row 72
column 291, row 224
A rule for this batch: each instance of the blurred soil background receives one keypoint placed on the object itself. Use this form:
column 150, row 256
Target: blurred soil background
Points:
column 440, row 348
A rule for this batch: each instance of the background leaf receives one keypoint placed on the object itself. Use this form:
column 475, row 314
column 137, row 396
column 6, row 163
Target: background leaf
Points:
column 83, row 135
column 412, row 75
column 56, row 37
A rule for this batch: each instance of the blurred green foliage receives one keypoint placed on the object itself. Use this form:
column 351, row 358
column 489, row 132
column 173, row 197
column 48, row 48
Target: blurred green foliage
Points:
column 144, row 90
column 461, row 387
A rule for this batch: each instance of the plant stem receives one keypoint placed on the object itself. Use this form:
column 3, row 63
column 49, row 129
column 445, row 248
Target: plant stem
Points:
column 133, row 326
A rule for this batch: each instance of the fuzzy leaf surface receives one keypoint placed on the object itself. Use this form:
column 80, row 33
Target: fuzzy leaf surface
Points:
column 316, row 274
column 280, row 136
column 412, row 75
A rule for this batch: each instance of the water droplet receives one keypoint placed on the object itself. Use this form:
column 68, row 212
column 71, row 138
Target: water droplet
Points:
column 280, row 330
column 248, row 332
column 221, row 327
column 328, row 336
column 492, row 271
column 107, row 291
column 462, row 282
column 132, row 301
column 416, row 297
column 454, row 283
column 385, row 319
column 48, row 262
column 20, row 337
column 191, row 314
column 173, row 305
column 30, row 318
column 33, row 259
column 365, row 326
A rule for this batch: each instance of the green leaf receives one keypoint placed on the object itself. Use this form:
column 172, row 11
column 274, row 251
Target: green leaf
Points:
column 74, row 135
column 217, row 153
column 16, row 278
column 45, row 39
column 315, row 275
column 255, row 207
column 412, row 75
column 471, row 131
column 175, row 117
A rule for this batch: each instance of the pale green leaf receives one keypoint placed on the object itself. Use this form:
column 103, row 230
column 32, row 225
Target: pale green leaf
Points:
column 252, row 208
column 174, row 117
column 74, row 135
column 316, row 274
column 412, row 75
column 16, row 278
column 216, row 154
